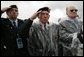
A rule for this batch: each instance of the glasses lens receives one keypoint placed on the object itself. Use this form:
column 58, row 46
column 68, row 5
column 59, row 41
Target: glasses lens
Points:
column 71, row 10
column 74, row 10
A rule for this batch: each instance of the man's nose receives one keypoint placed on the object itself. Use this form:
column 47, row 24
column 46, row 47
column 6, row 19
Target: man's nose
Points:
column 14, row 12
column 45, row 15
column 74, row 11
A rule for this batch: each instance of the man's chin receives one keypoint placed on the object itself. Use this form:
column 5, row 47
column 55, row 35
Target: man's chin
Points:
column 45, row 22
column 14, row 17
column 73, row 17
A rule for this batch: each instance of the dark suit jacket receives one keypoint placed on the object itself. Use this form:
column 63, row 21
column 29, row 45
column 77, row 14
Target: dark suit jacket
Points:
column 8, row 38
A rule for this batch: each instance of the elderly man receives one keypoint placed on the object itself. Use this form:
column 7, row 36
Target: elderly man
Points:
column 42, row 36
column 69, row 26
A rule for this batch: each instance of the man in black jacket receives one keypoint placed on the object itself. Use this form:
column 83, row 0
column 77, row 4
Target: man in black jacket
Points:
column 12, row 44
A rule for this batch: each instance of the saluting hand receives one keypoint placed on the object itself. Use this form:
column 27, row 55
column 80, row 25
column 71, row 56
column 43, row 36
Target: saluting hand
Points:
column 35, row 15
column 5, row 9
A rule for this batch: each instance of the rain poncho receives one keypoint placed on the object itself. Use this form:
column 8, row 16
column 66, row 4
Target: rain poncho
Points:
column 43, row 42
column 67, row 29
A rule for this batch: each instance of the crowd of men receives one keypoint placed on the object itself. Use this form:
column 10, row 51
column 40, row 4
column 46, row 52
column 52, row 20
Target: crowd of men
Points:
column 41, row 38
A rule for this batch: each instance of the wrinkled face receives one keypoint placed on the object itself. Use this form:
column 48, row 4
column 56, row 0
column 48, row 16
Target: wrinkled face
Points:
column 44, row 16
column 72, row 12
column 12, row 13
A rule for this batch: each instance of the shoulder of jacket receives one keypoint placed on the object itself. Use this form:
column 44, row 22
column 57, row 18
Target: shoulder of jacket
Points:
column 80, row 21
column 20, row 19
column 61, row 20
column 4, row 20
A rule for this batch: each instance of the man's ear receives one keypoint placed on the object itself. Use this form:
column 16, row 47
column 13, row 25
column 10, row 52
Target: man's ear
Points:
column 66, row 13
column 49, row 16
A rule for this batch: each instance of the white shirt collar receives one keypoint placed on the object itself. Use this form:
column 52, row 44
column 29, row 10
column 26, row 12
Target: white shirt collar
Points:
column 16, row 21
column 68, row 18
column 47, row 25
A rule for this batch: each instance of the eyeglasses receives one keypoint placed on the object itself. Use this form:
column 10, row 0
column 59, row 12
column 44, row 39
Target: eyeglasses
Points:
column 74, row 10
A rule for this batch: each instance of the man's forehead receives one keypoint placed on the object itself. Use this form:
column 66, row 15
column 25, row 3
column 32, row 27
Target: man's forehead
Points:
column 44, row 12
column 72, row 7
column 14, row 8
column 11, row 9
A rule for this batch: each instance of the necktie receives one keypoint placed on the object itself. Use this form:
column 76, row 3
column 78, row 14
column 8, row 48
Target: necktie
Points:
column 14, row 24
column 44, row 27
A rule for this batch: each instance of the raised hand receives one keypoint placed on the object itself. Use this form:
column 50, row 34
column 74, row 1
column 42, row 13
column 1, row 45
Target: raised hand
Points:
column 35, row 15
column 5, row 9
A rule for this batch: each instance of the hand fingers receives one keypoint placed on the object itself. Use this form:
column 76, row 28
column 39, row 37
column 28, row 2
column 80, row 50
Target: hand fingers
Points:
column 39, row 11
column 5, row 9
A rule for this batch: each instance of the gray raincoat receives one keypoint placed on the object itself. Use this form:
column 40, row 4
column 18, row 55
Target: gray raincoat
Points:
column 43, row 42
column 67, row 28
